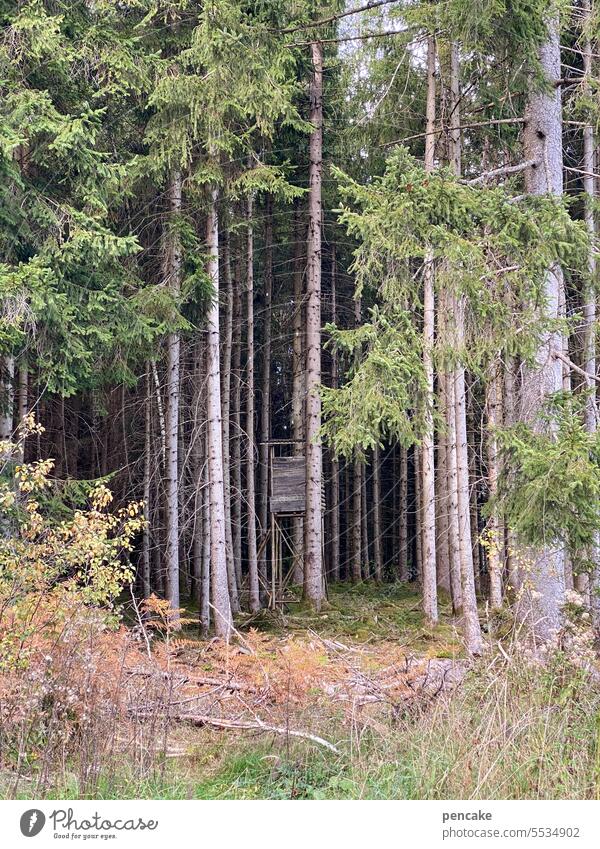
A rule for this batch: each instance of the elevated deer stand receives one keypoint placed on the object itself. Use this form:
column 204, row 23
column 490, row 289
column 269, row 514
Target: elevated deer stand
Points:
column 287, row 500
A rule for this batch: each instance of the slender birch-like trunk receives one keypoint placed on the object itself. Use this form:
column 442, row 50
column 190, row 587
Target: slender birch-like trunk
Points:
column 221, row 607
column 427, row 453
column 172, row 275
column 313, row 565
column 253, row 582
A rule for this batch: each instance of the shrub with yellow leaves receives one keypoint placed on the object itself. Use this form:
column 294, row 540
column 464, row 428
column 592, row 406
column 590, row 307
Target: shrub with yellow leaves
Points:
column 49, row 569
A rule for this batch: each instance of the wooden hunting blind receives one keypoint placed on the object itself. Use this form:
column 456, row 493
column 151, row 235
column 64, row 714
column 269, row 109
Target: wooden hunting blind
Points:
column 288, row 486
column 287, row 508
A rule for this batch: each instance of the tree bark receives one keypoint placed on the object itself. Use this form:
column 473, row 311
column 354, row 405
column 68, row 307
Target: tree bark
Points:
column 472, row 629
column 589, row 584
column 146, row 587
column 544, row 588
column 254, row 587
column 172, row 275
column 335, row 463
column 427, row 453
column 236, row 459
column 221, row 606
column 377, row 519
column 493, row 536
column 265, row 381
column 403, row 570
column 232, row 581
column 313, row 566
column 298, row 381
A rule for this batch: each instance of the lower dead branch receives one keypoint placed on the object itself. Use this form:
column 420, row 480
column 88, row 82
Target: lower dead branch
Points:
column 201, row 721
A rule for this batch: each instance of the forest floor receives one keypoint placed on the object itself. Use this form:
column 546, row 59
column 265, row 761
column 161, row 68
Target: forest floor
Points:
column 359, row 701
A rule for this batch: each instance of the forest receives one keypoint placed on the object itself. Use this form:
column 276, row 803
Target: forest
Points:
column 299, row 446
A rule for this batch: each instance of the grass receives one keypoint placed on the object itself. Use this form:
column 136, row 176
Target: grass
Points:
column 512, row 730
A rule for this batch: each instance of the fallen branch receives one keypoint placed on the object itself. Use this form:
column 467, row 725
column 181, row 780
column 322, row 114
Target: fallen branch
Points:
column 258, row 725
column 227, row 684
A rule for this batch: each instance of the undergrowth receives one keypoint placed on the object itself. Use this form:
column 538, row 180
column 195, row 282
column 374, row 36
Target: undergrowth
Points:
column 512, row 730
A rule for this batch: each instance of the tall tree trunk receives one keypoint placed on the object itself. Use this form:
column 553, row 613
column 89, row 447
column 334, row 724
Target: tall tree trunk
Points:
column 254, row 588
column 236, row 458
column 359, row 566
column 403, row 570
column 472, row 629
column 364, row 534
column 146, row 588
column 313, row 566
column 226, row 410
column 377, row 519
column 205, row 580
column 427, row 453
column 442, row 496
column 452, row 476
column 265, row 381
column 356, row 522
column 544, row 589
column 493, row 531
column 335, row 463
column 298, row 380
column 218, row 545
column 592, row 585
column 198, row 446
column 172, row 276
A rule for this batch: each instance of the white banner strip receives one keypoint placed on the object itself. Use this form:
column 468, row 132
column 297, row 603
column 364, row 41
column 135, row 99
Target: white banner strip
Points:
column 298, row 825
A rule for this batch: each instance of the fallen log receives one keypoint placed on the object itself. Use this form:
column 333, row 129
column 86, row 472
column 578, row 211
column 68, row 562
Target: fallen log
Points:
column 236, row 725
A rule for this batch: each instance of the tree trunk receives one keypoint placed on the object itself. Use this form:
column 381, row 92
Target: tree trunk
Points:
column 146, row 588
column 427, row 453
column 493, row 531
column 232, row 581
column 298, row 382
column 313, row 566
column 254, row 587
column 205, row 580
column 236, row 459
column 544, row 589
column 590, row 584
column 198, row 452
column 218, row 546
column 356, row 522
column 265, row 382
column 172, row 275
column 377, row 522
column 403, row 571
column 472, row 629
column 335, row 463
